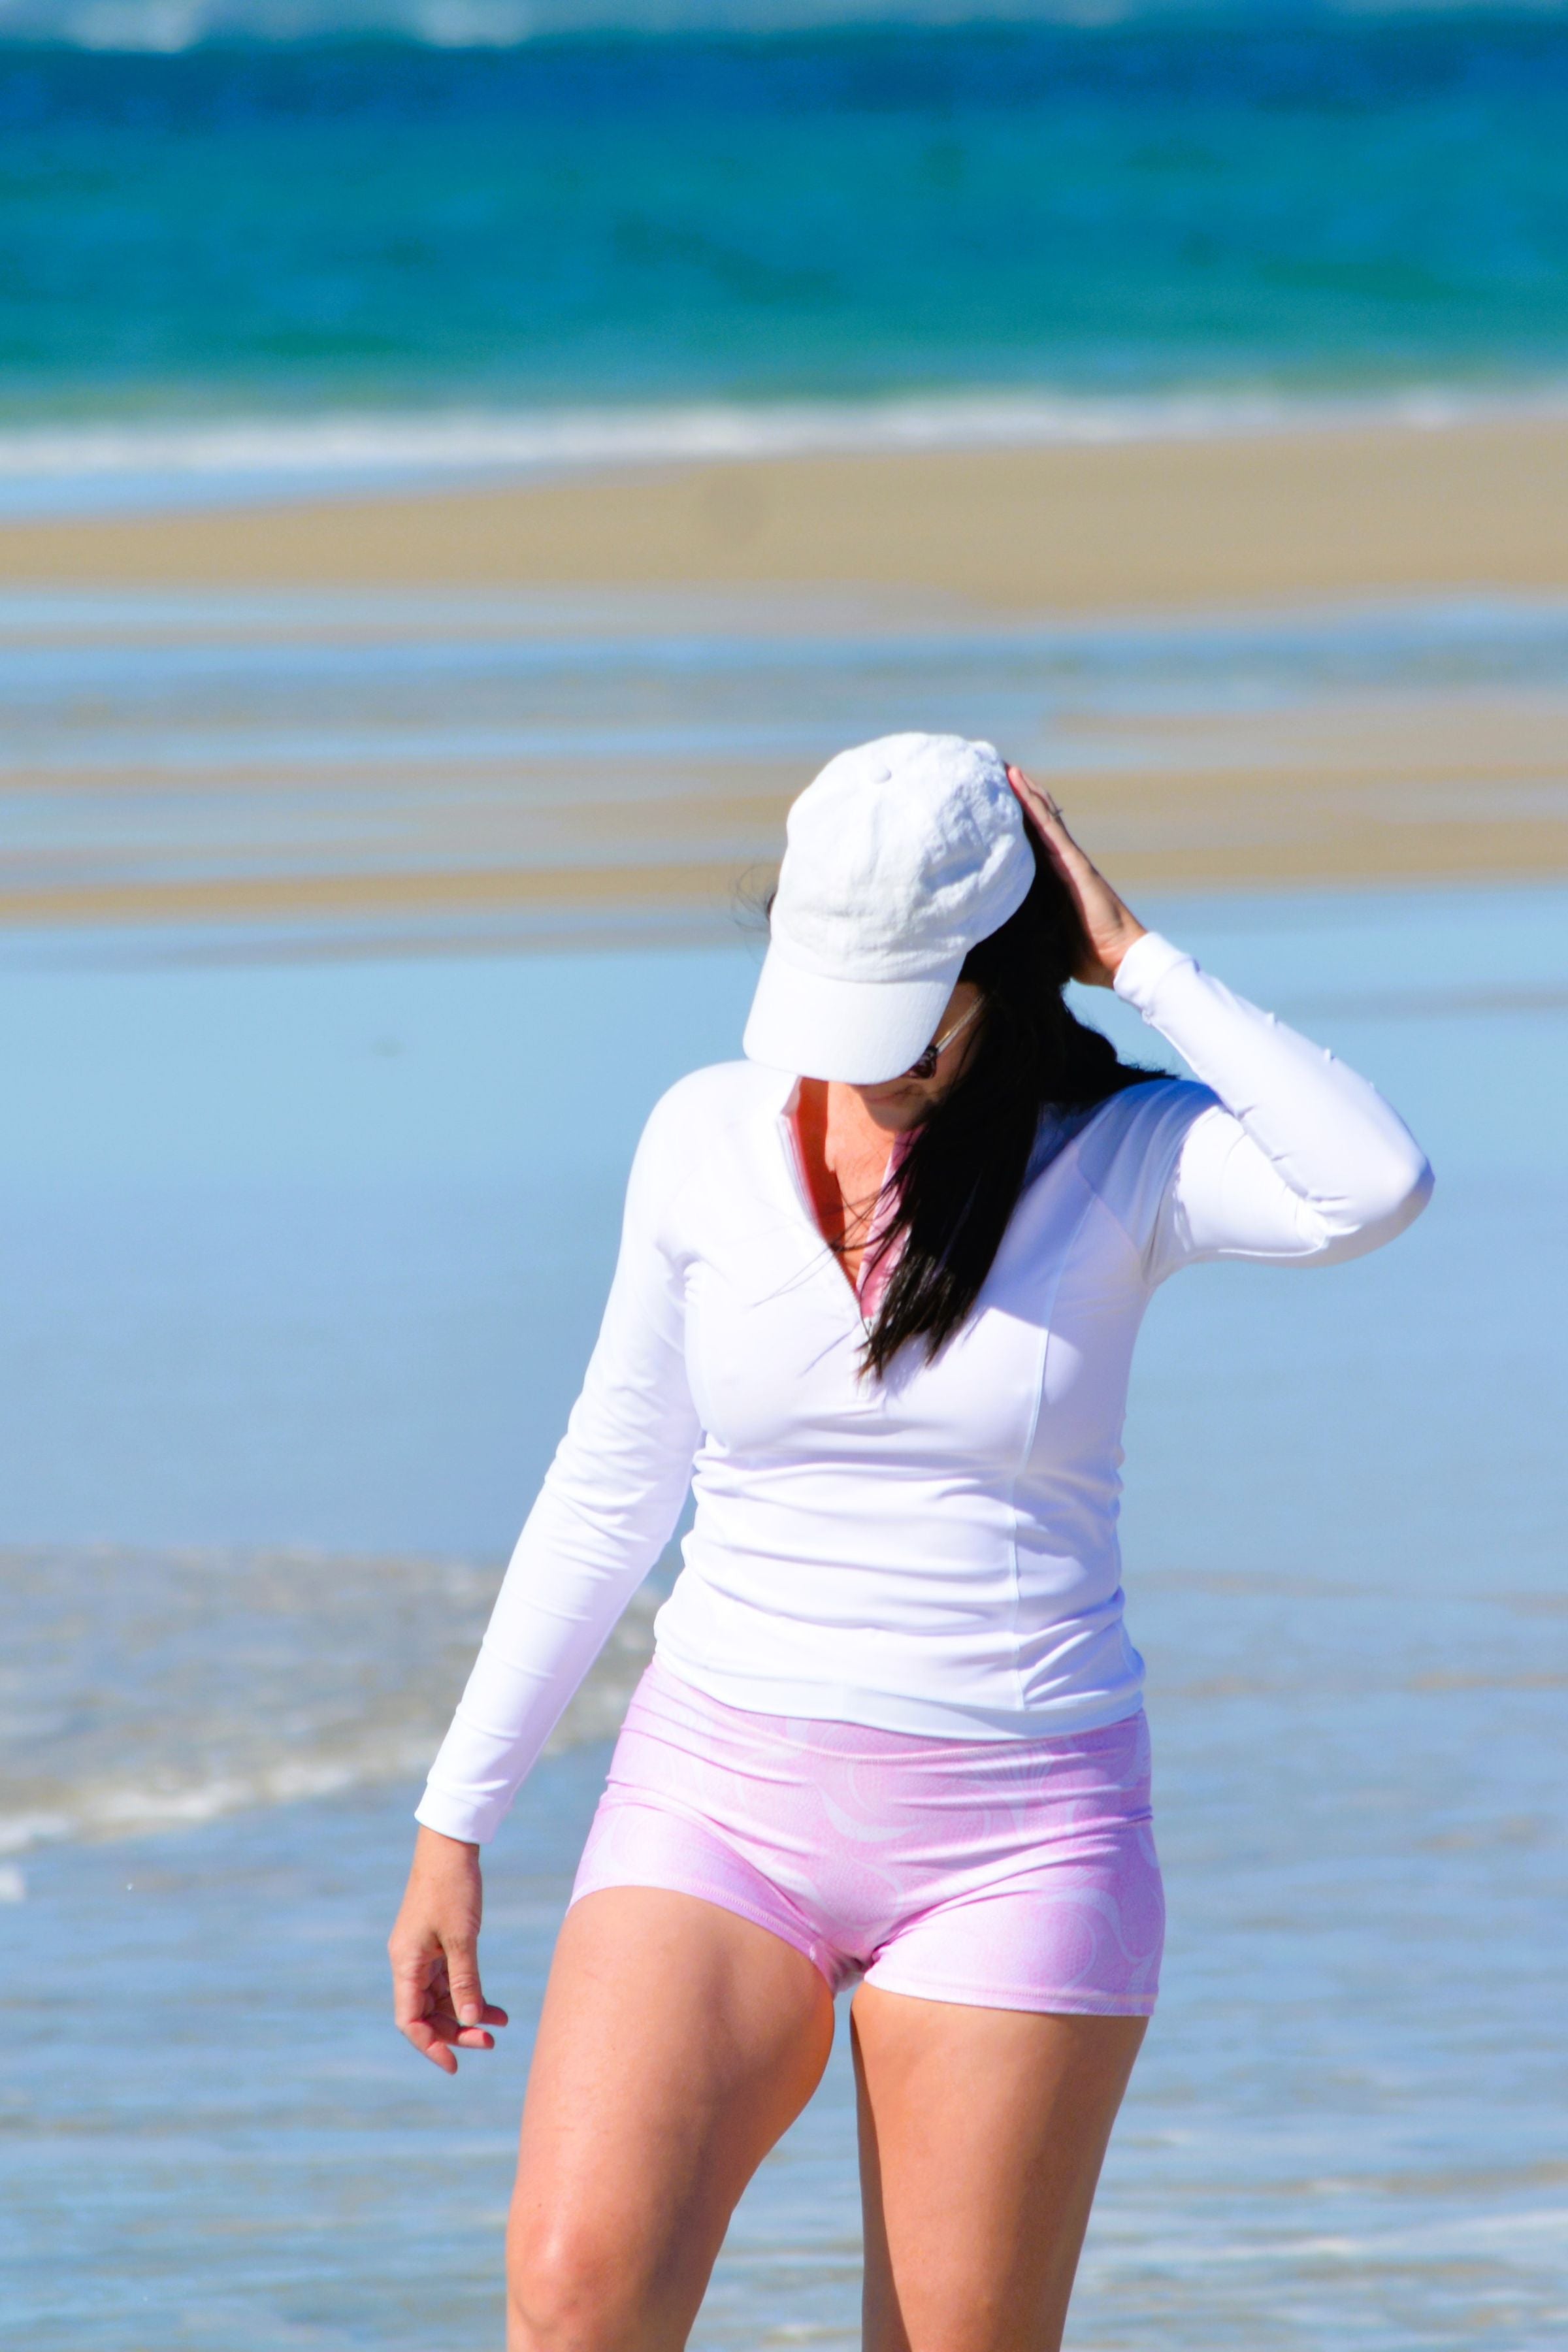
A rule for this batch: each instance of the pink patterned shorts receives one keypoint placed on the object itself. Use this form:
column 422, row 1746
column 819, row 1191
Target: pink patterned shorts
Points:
column 1007, row 1873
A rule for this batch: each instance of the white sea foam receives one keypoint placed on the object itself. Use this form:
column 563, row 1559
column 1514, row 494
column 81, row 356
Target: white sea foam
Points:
column 159, row 1690
column 167, row 26
column 112, row 464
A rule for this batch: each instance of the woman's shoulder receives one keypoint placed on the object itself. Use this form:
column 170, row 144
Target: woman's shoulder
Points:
column 717, row 1096
column 696, row 1112
column 1134, row 1136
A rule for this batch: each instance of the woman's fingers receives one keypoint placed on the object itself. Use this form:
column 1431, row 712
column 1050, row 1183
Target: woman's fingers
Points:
column 1038, row 804
column 1109, row 927
column 428, row 2013
column 463, row 1978
column 446, row 2027
column 415, row 2010
column 429, row 2044
column 1046, row 810
column 1041, row 800
column 437, row 2034
column 474, row 2034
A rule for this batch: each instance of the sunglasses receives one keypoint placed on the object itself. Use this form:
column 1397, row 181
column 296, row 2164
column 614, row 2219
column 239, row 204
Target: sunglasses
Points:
column 926, row 1067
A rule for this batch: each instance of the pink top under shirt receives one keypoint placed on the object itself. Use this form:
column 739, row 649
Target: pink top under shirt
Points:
column 876, row 1264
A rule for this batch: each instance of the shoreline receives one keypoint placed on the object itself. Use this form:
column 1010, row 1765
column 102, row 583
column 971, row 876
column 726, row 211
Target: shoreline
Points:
column 1332, row 811
column 1363, row 510
column 620, row 743
column 110, row 465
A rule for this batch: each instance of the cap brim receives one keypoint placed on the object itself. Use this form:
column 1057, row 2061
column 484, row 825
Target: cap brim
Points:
column 860, row 1032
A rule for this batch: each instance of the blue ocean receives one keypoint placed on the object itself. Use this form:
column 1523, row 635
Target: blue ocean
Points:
column 370, row 249
column 306, row 1220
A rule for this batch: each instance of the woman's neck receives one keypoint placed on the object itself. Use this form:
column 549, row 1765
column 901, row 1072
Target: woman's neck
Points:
column 844, row 1157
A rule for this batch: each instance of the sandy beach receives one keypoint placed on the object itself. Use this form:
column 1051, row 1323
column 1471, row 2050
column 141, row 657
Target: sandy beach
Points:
column 1449, row 766
column 1352, row 510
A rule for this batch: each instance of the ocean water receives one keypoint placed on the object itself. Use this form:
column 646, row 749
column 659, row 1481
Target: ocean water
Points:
column 305, row 1220
column 1344, row 1564
column 397, row 255
column 306, row 1210
column 307, row 1201
column 297, row 906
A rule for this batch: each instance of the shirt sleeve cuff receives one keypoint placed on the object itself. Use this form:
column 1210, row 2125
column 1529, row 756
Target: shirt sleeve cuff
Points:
column 472, row 1824
column 1147, row 964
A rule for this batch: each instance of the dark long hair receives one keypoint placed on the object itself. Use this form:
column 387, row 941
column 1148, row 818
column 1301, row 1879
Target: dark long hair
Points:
column 961, row 1176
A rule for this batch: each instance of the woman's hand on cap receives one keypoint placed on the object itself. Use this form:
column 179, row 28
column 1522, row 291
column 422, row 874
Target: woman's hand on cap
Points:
column 1109, row 927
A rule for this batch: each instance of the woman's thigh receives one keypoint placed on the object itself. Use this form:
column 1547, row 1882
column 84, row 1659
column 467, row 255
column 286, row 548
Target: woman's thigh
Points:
column 676, row 2043
column 982, row 2136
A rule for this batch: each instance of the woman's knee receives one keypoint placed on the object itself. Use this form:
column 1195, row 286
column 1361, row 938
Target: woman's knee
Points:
column 572, row 2288
column 566, row 2292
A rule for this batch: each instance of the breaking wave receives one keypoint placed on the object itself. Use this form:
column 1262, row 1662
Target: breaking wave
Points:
column 143, row 1690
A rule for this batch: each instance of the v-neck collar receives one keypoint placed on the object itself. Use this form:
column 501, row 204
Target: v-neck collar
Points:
column 1057, row 1131
column 800, row 1184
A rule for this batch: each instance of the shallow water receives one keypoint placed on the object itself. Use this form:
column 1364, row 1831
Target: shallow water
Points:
column 304, row 1224
column 310, row 1302
column 240, row 776
column 1346, row 2126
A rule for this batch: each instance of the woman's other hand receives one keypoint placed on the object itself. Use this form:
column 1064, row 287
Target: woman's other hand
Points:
column 1109, row 927
column 435, row 1952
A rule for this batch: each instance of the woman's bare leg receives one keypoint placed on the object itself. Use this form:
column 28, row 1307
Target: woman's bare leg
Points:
column 677, row 2044
column 982, row 2136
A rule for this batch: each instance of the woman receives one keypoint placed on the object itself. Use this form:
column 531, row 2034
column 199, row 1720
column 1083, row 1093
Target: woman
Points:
column 880, row 1284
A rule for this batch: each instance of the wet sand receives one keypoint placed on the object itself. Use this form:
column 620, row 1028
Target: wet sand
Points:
column 549, row 710
column 1364, row 510
column 1421, row 794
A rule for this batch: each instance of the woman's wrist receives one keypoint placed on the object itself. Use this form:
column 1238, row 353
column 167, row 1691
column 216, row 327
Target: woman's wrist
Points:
column 435, row 1848
column 1129, row 931
column 1109, row 945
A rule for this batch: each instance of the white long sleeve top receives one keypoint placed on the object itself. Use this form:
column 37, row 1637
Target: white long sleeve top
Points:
column 935, row 1552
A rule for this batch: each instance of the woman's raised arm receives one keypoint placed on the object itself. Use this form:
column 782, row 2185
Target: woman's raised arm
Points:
column 1300, row 1159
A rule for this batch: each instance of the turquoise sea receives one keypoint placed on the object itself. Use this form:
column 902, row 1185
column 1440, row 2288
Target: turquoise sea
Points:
column 304, row 1225
column 267, row 259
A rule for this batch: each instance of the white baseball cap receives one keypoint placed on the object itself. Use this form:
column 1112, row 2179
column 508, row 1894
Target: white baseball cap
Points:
column 899, row 857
